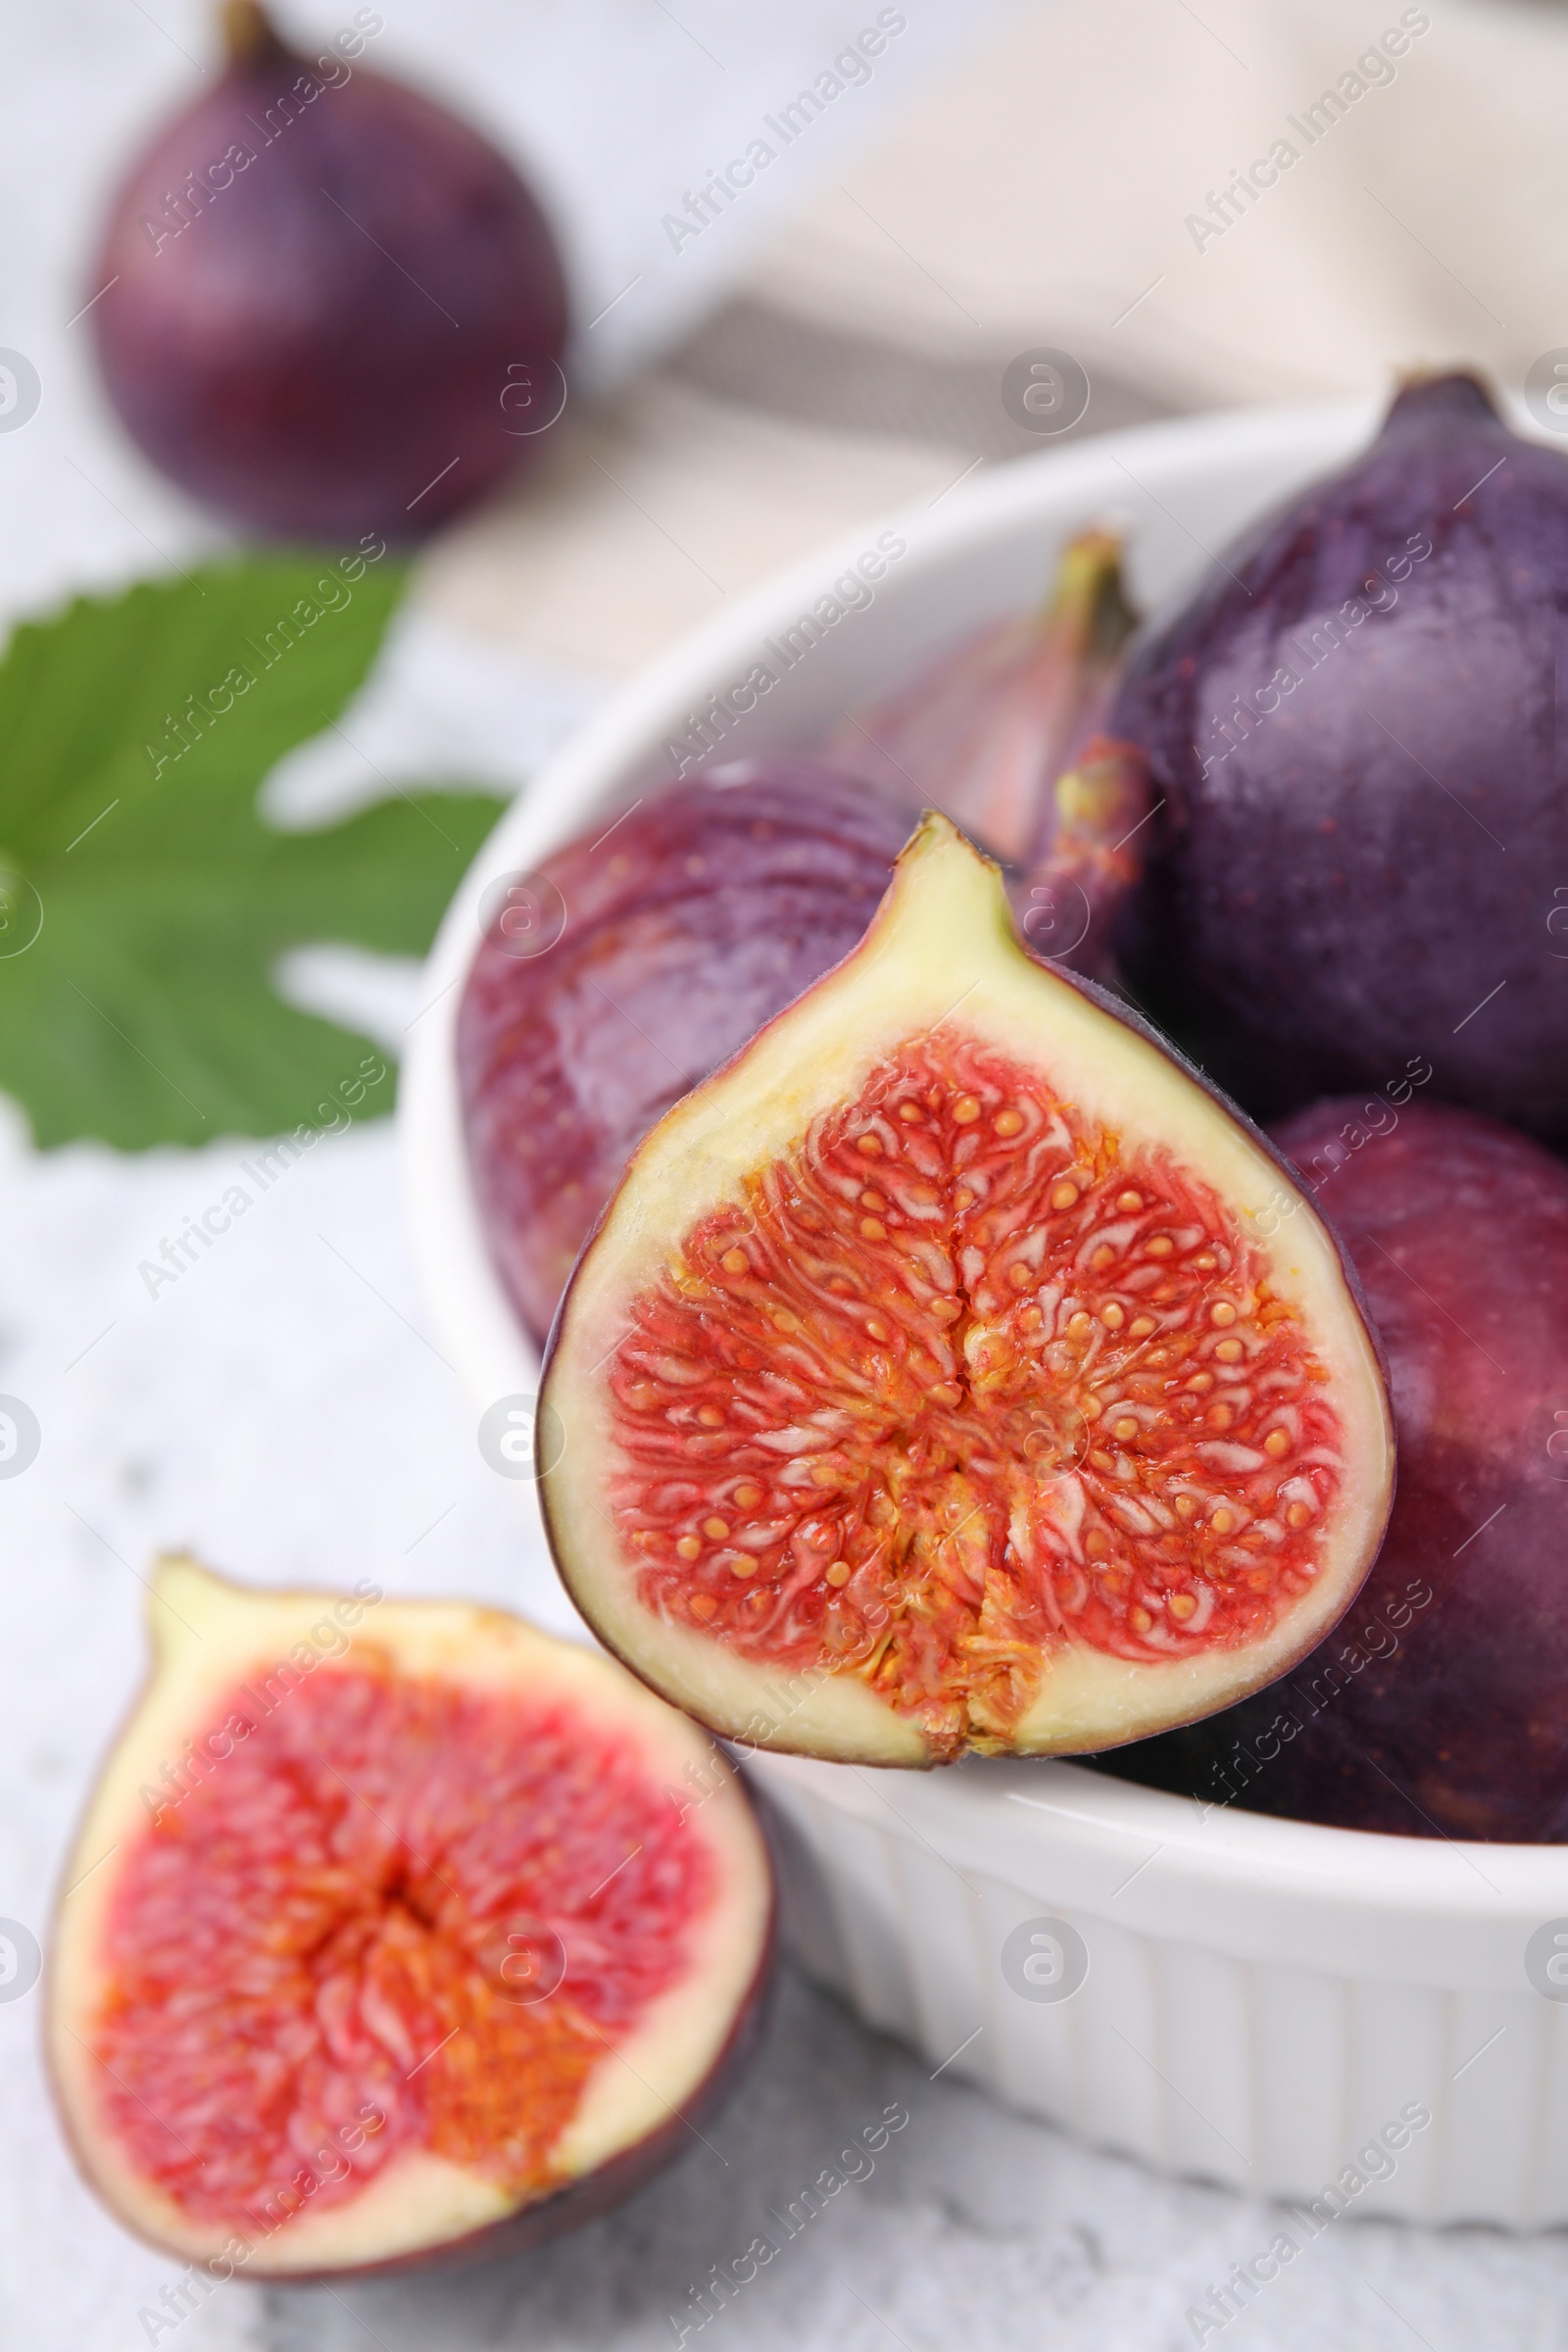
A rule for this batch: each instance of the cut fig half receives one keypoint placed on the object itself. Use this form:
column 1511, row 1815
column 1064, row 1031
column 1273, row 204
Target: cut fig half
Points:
column 953, row 1370
column 397, row 1933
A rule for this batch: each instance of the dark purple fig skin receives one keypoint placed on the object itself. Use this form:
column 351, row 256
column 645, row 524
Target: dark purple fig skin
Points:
column 701, row 915
column 335, row 327
column 1438, row 1706
column 1378, row 849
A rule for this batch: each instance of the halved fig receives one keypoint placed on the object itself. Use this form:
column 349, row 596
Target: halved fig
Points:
column 953, row 1370
column 397, row 1941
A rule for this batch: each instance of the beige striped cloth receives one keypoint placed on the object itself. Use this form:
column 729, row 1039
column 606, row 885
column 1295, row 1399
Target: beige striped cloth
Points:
column 1231, row 201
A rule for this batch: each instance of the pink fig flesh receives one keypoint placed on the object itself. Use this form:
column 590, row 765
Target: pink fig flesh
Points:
column 397, row 1933
column 1436, row 1707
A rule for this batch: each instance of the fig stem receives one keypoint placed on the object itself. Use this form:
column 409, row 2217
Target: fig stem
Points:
column 1088, row 597
column 249, row 33
column 1455, row 392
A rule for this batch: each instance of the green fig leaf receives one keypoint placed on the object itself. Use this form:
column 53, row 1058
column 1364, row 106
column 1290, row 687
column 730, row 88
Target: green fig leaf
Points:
column 144, row 902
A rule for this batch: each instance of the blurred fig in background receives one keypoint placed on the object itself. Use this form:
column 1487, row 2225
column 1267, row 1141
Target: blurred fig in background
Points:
column 328, row 306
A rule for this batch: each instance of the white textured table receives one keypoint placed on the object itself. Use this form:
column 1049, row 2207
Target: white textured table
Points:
column 282, row 1411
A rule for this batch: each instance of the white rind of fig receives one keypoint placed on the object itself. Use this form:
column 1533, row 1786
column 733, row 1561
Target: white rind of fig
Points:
column 210, row 1636
column 942, row 953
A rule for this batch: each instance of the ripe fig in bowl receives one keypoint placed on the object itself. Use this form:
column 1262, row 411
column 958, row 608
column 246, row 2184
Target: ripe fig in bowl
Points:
column 325, row 305
column 1363, row 844
column 930, row 1383
column 397, row 1933
column 629, row 965
column 1437, row 1709
column 1004, row 734
column 982, row 732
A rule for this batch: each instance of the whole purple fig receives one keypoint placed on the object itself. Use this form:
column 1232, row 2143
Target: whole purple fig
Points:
column 1362, row 852
column 327, row 306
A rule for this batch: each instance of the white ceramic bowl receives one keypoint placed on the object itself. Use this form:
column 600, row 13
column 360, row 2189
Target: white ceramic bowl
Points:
column 1261, row 1998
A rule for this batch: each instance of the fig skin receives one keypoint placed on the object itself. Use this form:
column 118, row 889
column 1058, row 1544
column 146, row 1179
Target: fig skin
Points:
column 210, row 1636
column 334, row 324
column 983, row 730
column 682, row 931
column 1004, row 734
column 1068, row 901
column 1444, row 1715
column 1366, row 855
